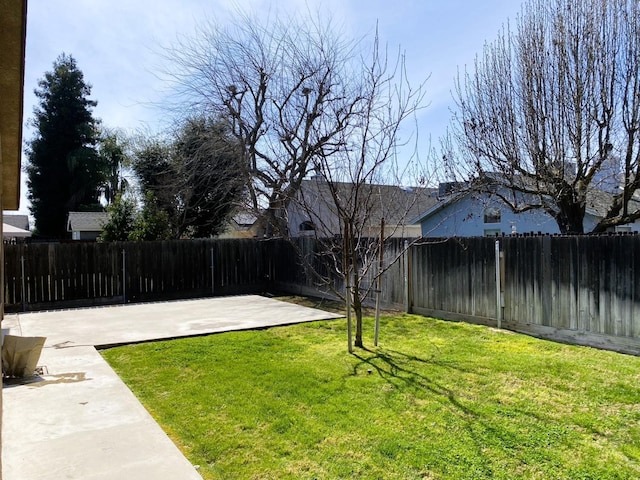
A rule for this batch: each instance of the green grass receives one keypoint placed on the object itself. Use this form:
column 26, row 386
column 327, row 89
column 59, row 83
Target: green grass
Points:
column 437, row 400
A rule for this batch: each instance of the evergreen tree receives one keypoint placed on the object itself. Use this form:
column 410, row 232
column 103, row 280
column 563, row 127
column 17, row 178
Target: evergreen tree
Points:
column 196, row 176
column 64, row 170
column 154, row 170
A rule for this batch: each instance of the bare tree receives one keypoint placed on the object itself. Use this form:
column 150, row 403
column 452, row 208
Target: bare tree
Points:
column 549, row 115
column 289, row 89
column 355, row 188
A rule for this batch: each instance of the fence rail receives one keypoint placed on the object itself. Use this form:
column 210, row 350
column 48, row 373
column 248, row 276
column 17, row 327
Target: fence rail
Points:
column 577, row 289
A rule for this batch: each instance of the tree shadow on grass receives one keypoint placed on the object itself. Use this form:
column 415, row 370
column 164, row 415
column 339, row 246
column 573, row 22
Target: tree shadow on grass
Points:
column 407, row 373
column 395, row 367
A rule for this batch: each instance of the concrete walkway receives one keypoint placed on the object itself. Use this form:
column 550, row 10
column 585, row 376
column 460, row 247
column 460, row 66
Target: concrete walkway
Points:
column 79, row 420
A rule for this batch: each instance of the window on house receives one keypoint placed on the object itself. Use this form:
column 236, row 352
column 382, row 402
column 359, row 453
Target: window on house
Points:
column 307, row 226
column 623, row 229
column 491, row 232
column 492, row 215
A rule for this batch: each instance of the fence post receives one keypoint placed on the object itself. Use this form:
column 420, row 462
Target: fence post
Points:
column 407, row 283
column 22, row 279
column 498, row 285
column 212, row 275
column 346, row 259
column 124, row 277
column 379, row 283
column 546, row 287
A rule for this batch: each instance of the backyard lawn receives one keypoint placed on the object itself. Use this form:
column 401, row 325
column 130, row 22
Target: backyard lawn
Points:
column 436, row 400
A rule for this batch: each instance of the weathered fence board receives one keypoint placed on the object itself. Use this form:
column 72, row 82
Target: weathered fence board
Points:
column 454, row 275
column 584, row 284
column 309, row 270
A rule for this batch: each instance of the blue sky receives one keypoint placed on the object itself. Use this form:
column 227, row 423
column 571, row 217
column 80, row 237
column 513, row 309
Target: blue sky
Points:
column 117, row 44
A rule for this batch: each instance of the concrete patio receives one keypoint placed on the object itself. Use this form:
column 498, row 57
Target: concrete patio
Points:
column 79, row 420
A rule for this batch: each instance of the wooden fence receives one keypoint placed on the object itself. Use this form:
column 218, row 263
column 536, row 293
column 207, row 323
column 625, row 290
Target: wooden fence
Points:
column 298, row 277
column 453, row 278
column 582, row 290
column 47, row 276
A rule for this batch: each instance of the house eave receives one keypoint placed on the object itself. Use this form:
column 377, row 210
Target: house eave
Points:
column 437, row 207
column 13, row 27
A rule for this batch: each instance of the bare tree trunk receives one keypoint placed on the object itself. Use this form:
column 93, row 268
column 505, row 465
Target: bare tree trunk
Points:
column 346, row 268
column 357, row 309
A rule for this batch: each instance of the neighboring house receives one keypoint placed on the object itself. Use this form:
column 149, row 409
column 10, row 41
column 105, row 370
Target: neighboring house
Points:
column 86, row 225
column 313, row 213
column 15, row 227
column 243, row 225
column 11, row 234
column 475, row 214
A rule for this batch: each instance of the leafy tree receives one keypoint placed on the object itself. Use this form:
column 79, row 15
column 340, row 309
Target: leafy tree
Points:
column 549, row 115
column 122, row 220
column 152, row 223
column 64, row 170
column 112, row 151
column 154, row 171
column 210, row 177
column 195, row 176
column 127, row 223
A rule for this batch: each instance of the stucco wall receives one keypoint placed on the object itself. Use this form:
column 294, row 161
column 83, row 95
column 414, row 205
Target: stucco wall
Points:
column 465, row 218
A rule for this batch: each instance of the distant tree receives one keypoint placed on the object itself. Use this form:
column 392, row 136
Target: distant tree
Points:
column 128, row 223
column 289, row 88
column 121, row 221
column 114, row 158
column 210, row 177
column 63, row 167
column 153, row 168
column 301, row 97
column 550, row 112
column 152, row 223
column 195, row 176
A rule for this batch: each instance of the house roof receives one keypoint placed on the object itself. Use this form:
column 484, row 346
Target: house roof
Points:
column 599, row 202
column 11, row 231
column 394, row 203
column 439, row 205
column 13, row 21
column 86, row 221
column 245, row 218
column 19, row 221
